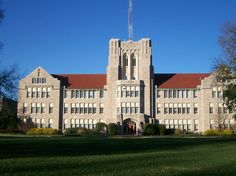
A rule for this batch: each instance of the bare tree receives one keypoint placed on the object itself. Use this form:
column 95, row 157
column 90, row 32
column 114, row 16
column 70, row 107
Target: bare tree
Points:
column 225, row 66
column 8, row 81
column 220, row 121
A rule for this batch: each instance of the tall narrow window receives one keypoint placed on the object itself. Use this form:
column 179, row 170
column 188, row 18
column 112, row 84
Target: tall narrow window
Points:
column 211, row 108
column 43, row 108
column 32, row 107
column 65, row 108
column 24, row 108
column 50, row 108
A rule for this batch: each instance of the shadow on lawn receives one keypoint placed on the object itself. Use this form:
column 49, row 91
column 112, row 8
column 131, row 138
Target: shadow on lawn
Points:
column 75, row 146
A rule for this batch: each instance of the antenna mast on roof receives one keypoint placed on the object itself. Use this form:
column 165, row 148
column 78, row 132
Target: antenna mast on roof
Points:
column 130, row 20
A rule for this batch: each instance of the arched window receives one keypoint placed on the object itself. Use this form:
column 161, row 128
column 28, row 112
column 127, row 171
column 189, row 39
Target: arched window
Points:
column 125, row 60
column 133, row 60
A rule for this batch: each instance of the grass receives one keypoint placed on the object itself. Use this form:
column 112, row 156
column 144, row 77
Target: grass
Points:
column 62, row 156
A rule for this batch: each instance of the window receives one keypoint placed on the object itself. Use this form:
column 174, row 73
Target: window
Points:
column 48, row 92
column 170, row 110
column 43, row 108
column 50, row 108
column 44, row 80
column 28, row 92
column 94, row 108
column 183, row 93
column 90, row 109
column 179, row 110
column 127, row 93
column 77, row 94
column 37, row 108
column 33, row 80
column 187, row 92
column 50, row 122
column 158, row 93
column 24, row 108
column 136, row 91
column 195, row 108
column 165, row 110
column 65, row 108
column 133, row 61
column 101, row 108
column 76, row 108
column 194, row 93
column 170, row 93
column 73, row 93
column 72, row 108
column 38, row 93
column 33, row 110
column 220, row 107
column 34, row 92
column 174, row 94
column 81, row 93
column 165, row 94
column 126, row 62
column 86, row 93
column 158, row 108
column 44, row 92
column 211, row 108
column 174, row 110
column 81, row 109
column 91, row 94
column 127, row 110
column 179, row 94
column 188, row 110
column 101, row 93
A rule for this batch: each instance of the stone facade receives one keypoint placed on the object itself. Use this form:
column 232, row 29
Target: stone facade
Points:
column 130, row 94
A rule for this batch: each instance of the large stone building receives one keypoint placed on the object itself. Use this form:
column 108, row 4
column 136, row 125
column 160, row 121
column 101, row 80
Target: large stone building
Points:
column 130, row 94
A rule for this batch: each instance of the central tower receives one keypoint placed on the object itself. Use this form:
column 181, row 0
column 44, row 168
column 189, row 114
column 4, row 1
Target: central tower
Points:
column 129, row 89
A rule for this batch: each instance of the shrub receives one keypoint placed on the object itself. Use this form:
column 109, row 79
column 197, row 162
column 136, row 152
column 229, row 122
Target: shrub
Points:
column 161, row 129
column 179, row 132
column 78, row 132
column 71, row 131
column 101, row 128
column 169, row 131
column 112, row 128
column 81, row 131
column 150, row 129
column 218, row 133
column 227, row 133
column 42, row 131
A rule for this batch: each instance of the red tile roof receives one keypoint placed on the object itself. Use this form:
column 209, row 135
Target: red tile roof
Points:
column 178, row 80
column 97, row 81
column 83, row 81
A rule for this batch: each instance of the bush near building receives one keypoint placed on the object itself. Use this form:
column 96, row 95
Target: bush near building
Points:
column 101, row 128
column 218, row 133
column 150, row 130
column 42, row 131
column 112, row 129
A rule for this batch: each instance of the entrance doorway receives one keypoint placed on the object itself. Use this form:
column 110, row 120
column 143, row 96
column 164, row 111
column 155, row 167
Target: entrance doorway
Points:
column 129, row 127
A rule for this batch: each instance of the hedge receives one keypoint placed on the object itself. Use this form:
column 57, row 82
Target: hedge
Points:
column 112, row 128
column 218, row 133
column 79, row 132
column 42, row 131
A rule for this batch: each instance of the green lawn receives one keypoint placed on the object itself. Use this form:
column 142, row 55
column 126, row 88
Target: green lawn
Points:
column 61, row 156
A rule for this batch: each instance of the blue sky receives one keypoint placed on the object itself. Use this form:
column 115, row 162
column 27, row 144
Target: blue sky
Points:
column 71, row 36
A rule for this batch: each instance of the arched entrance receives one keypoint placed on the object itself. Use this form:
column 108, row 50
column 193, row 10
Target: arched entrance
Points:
column 129, row 127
